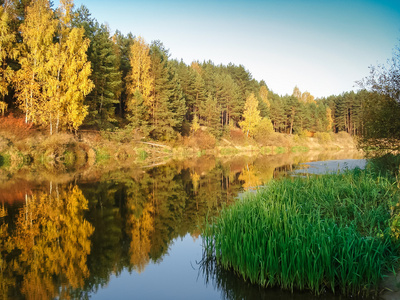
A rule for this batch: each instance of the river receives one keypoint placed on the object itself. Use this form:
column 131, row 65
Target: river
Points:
column 132, row 232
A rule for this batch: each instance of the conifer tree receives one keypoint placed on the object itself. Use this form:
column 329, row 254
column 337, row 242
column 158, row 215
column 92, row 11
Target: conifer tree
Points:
column 199, row 94
column 106, row 76
column 163, row 118
column 292, row 107
column 123, row 45
column 177, row 102
column 210, row 113
column 277, row 114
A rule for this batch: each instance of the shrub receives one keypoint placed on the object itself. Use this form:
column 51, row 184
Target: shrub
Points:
column 15, row 127
column 322, row 137
column 119, row 135
column 201, row 139
column 237, row 136
column 263, row 130
column 55, row 146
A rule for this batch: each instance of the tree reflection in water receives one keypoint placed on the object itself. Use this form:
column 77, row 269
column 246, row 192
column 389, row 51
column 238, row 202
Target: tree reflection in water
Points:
column 45, row 254
column 67, row 240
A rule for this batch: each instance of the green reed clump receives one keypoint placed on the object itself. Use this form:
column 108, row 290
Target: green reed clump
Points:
column 327, row 232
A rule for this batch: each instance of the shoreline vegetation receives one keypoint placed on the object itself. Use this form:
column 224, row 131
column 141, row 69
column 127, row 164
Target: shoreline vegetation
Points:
column 21, row 144
column 337, row 233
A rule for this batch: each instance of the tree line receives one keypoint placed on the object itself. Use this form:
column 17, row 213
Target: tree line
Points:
column 64, row 70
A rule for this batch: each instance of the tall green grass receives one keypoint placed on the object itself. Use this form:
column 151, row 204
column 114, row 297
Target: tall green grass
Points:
column 328, row 232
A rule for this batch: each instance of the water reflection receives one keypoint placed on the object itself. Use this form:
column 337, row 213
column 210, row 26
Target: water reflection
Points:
column 67, row 237
column 44, row 251
column 233, row 287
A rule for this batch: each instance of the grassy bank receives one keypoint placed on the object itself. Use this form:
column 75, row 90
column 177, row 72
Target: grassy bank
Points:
column 332, row 232
column 22, row 144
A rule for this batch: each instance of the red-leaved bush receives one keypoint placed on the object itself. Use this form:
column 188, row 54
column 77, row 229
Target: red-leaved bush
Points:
column 16, row 127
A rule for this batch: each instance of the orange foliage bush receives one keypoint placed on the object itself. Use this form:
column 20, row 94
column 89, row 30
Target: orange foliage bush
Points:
column 201, row 139
column 15, row 127
column 237, row 136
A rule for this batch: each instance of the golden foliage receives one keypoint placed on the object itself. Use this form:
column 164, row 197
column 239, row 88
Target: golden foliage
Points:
column 3, row 212
column 37, row 31
column 250, row 178
column 195, row 181
column 263, row 130
column 69, row 74
column 52, row 239
column 251, row 115
column 140, row 79
column 195, row 124
column 140, row 230
column 7, row 38
column 54, row 77
column 305, row 97
column 264, row 96
column 195, row 66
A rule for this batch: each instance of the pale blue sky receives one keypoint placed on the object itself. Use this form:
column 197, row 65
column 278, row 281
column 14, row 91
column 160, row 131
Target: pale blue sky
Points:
column 321, row 46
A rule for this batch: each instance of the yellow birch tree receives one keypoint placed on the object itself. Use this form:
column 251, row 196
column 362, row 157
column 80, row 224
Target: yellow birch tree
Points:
column 140, row 83
column 54, row 77
column 251, row 115
column 38, row 32
column 264, row 95
column 69, row 71
column 7, row 38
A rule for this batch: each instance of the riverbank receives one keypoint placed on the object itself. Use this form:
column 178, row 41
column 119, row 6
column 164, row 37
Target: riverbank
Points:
column 335, row 232
column 21, row 144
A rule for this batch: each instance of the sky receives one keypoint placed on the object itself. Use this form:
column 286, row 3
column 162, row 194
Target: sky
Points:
column 322, row 46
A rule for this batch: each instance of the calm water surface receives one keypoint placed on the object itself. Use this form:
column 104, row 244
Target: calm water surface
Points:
column 129, row 233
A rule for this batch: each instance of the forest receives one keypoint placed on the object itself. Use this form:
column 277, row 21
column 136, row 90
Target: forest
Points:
column 63, row 71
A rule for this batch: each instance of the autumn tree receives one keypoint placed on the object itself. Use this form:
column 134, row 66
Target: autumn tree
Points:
column 7, row 50
column 54, row 77
column 140, row 85
column 264, row 95
column 69, row 74
column 263, row 130
column 38, row 32
column 251, row 115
